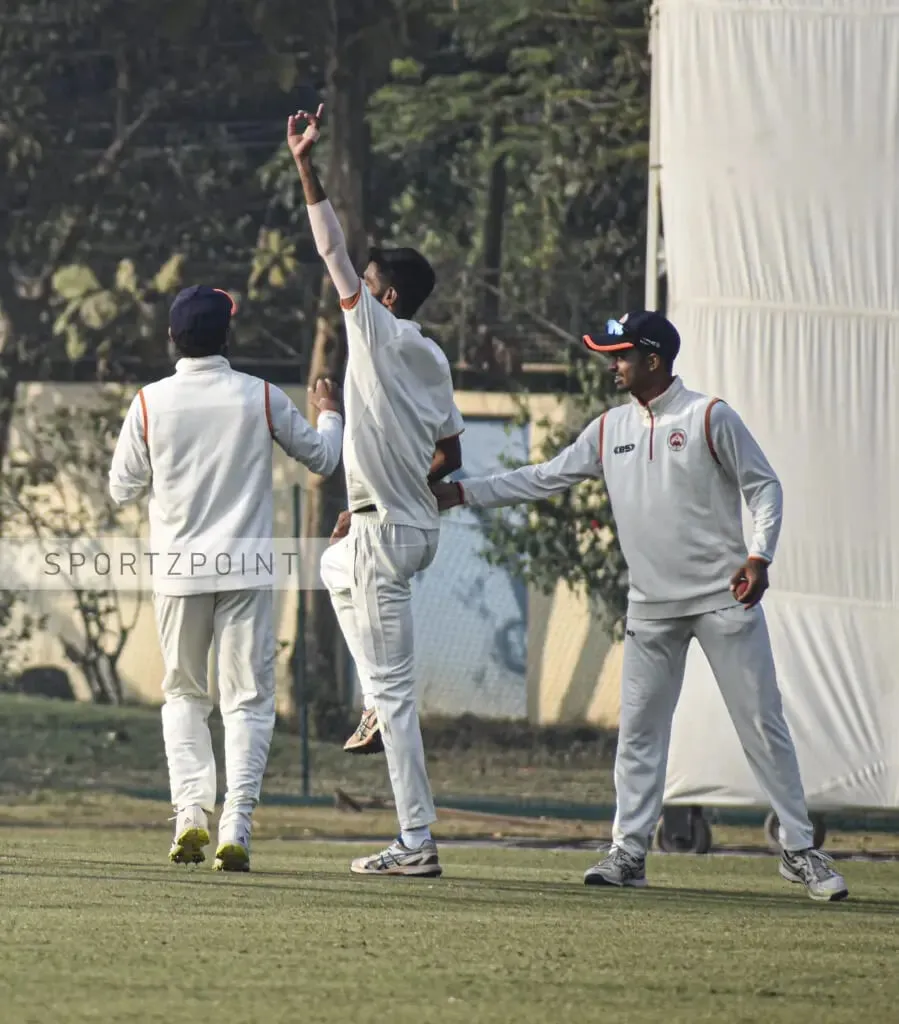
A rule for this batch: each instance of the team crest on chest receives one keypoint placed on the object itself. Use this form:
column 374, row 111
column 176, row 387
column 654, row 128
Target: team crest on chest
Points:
column 677, row 440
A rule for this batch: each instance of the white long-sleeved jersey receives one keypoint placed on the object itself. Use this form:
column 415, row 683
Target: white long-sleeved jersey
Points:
column 201, row 441
column 675, row 471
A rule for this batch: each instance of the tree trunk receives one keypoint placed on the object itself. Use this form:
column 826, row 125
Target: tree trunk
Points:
column 355, row 68
column 494, row 217
column 9, row 382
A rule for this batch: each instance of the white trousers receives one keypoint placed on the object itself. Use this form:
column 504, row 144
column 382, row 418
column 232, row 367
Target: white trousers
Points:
column 240, row 625
column 369, row 575
column 735, row 642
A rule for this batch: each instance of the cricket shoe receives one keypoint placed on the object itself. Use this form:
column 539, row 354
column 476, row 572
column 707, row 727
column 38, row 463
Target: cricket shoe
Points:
column 398, row 859
column 233, row 850
column 367, row 737
column 191, row 835
column 812, row 868
column 620, row 869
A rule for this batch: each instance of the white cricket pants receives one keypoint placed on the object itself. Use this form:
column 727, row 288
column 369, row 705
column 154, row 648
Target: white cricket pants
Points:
column 736, row 643
column 240, row 625
column 369, row 575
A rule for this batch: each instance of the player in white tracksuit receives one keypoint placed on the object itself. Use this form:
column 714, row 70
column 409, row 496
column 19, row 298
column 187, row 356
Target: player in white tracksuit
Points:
column 676, row 464
column 201, row 442
column 399, row 406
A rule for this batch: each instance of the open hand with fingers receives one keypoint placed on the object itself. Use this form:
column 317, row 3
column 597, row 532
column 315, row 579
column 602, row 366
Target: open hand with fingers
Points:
column 327, row 396
column 750, row 582
column 303, row 130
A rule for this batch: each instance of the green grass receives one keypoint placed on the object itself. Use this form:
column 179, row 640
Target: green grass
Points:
column 51, row 744
column 97, row 926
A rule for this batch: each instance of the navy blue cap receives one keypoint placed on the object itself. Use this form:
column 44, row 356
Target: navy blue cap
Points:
column 201, row 310
column 641, row 329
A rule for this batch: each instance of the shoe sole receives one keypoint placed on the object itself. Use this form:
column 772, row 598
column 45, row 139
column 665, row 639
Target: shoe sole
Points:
column 634, row 883
column 231, row 857
column 416, row 871
column 823, row 897
column 373, row 746
column 188, row 846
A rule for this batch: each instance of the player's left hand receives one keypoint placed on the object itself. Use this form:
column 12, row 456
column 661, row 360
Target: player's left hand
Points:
column 343, row 526
column 327, row 395
column 750, row 582
column 303, row 130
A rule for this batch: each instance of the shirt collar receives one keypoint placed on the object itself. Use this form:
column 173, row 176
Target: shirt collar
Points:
column 187, row 365
column 663, row 401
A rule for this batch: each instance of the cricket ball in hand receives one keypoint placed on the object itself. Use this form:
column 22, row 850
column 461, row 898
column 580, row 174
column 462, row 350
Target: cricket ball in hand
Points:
column 740, row 589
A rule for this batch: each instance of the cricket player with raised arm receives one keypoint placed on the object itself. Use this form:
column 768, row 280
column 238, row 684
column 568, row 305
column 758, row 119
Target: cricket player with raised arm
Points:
column 676, row 464
column 399, row 404
column 200, row 442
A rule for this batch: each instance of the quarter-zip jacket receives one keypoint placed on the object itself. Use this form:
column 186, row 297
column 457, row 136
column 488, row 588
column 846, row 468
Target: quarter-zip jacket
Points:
column 201, row 441
column 675, row 471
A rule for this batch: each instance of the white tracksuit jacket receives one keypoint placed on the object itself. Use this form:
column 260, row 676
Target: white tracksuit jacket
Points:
column 675, row 471
column 201, row 442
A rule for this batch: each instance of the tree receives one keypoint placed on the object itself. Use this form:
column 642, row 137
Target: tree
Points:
column 524, row 128
column 55, row 499
column 523, row 134
column 122, row 157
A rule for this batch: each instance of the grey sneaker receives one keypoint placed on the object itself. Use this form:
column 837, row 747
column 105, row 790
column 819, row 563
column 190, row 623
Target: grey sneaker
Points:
column 812, row 868
column 618, row 868
column 397, row 859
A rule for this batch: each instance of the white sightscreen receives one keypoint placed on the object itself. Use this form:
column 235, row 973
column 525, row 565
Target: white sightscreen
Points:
column 779, row 153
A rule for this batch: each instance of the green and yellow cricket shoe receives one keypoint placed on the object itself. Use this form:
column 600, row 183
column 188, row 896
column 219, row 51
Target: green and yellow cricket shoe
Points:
column 231, row 857
column 191, row 835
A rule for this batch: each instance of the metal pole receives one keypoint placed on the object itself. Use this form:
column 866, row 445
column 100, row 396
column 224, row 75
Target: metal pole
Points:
column 299, row 649
column 653, row 213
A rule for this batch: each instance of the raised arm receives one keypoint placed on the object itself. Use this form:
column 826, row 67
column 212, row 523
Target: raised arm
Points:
column 302, row 134
column 130, row 473
column 579, row 461
column 318, row 450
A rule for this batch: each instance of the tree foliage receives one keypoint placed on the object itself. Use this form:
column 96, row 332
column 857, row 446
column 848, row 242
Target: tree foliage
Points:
column 142, row 145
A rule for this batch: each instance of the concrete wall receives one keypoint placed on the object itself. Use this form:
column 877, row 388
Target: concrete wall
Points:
column 572, row 669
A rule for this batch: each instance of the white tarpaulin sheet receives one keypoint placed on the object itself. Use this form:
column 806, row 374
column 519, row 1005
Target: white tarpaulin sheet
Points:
column 779, row 152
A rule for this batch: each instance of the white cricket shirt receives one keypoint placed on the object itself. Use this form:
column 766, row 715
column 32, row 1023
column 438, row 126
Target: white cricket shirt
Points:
column 200, row 441
column 398, row 401
column 675, row 471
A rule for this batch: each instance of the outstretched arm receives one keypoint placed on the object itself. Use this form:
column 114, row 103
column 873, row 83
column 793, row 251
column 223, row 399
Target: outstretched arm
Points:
column 318, row 450
column 302, row 134
column 579, row 461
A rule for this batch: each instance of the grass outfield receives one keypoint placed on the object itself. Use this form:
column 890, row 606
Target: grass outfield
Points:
column 97, row 926
column 54, row 744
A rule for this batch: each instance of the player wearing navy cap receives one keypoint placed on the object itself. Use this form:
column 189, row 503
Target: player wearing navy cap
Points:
column 676, row 465
column 200, row 442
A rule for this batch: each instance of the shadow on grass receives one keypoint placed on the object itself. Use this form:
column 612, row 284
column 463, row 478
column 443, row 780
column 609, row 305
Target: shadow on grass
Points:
column 503, row 893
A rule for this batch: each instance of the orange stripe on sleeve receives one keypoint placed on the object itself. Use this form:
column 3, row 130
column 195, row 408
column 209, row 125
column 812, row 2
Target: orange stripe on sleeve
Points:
column 144, row 416
column 351, row 302
column 708, row 429
column 268, row 409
